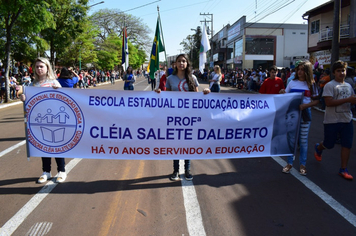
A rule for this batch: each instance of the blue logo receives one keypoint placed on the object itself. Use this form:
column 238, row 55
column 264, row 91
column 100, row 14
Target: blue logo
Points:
column 55, row 122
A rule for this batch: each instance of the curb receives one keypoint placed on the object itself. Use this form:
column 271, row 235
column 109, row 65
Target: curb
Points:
column 10, row 104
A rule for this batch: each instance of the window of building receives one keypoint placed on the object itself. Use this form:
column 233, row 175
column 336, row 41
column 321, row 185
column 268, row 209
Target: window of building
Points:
column 260, row 46
column 315, row 25
column 238, row 48
column 230, row 51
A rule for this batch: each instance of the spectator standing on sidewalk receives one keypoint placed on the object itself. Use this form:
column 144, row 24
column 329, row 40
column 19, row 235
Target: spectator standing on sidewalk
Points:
column 182, row 80
column 273, row 84
column 44, row 77
column 338, row 96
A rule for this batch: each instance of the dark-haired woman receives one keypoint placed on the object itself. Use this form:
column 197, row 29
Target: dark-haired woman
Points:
column 129, row 79
column 182, row 80
column 68, row 78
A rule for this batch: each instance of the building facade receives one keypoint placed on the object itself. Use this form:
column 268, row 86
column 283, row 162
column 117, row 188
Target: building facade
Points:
column 320, row 32
column 254, row 45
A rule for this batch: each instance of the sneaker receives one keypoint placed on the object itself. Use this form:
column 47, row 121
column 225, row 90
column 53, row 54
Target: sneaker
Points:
column 287, row 168
column 61, row 177
column 174, row 176
column 345, row 174
column 303, row 170
column 44, row 177
column 187, row 175
column 317, row 153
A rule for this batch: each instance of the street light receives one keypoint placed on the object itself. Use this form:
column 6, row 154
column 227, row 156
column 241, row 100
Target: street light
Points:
column 96, row 4
column 80, row 51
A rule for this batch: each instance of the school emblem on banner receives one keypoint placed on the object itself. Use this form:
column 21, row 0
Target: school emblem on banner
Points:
column 55, row 122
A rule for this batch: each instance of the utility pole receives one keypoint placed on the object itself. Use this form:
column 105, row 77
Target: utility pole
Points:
column 211, row 32
column 336, row 32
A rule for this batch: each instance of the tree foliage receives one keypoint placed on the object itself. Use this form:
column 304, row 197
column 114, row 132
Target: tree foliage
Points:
column 113, row 21
column 191, row 46
column 83, row 49
column 108, row 52
column 14, row 15
column 69, row 21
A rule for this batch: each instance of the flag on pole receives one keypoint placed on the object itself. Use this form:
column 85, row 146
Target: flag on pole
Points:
column 204, row 47
column 157, row 47
column 125, row 50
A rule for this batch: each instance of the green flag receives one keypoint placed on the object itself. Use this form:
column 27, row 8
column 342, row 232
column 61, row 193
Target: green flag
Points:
column 157, row 47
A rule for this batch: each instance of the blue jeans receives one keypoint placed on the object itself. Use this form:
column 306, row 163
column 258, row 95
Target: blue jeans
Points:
column 303, row 142
column 130, row 87
column 176, row 165
column 46, row 164
column 215, row 88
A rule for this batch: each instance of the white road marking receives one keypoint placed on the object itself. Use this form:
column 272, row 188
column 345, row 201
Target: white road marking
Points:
column 4, row 105
column 192, row 209
column 11, row 225
column 10, row 149
column 193, row 214
column 346, row 214
column 40, row 229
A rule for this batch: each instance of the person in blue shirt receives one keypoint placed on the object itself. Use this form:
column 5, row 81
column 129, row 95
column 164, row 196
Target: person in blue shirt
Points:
column 68, row 78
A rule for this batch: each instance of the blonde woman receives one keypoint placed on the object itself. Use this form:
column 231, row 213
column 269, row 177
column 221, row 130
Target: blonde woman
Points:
column 44, row 77
column 215, row 81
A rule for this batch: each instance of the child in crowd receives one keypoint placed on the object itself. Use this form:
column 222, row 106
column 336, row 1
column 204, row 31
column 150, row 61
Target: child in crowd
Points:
column 338, row 97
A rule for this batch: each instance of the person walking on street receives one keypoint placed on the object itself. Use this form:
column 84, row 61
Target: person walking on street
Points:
column 303, row 83
column 338, row 96
column 129, row 79
column 182, row 80
column 273, row 84
column 44, row 77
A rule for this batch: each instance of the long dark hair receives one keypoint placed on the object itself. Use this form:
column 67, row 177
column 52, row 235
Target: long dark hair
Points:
column 187, row 73
column 65, row 74
column 309, row 78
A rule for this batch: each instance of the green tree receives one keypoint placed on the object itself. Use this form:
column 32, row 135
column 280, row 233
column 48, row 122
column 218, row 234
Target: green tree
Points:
column 191, row 46
column 137, row 56
column 14, row 13
column 108, row 52
column 113, row 21
column 69, row 20
column 83, row 49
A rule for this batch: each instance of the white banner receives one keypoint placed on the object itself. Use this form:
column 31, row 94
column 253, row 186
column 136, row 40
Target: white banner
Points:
column 108, row 124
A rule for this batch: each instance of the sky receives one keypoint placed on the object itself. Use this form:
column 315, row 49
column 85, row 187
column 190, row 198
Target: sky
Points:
column 178, row 17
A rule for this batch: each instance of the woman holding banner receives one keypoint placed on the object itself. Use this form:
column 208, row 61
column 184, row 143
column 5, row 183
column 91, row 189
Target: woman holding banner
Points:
column 44, row 77
column 303, row 83
column 182, row 80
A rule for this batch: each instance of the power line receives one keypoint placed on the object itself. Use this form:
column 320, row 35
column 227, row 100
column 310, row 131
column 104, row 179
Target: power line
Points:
column 141, row 6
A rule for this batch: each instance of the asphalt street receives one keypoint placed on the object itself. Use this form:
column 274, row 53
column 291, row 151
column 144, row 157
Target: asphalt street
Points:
column 248, row 197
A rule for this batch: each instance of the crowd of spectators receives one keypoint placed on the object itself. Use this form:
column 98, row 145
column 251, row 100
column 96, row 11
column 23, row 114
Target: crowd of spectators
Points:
column 22, row 75
column 252, row 79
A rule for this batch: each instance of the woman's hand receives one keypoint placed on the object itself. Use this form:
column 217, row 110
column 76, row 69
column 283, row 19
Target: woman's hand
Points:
column 22, row 97
column 206, row 91
column 282, row 91
column 158, row 90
